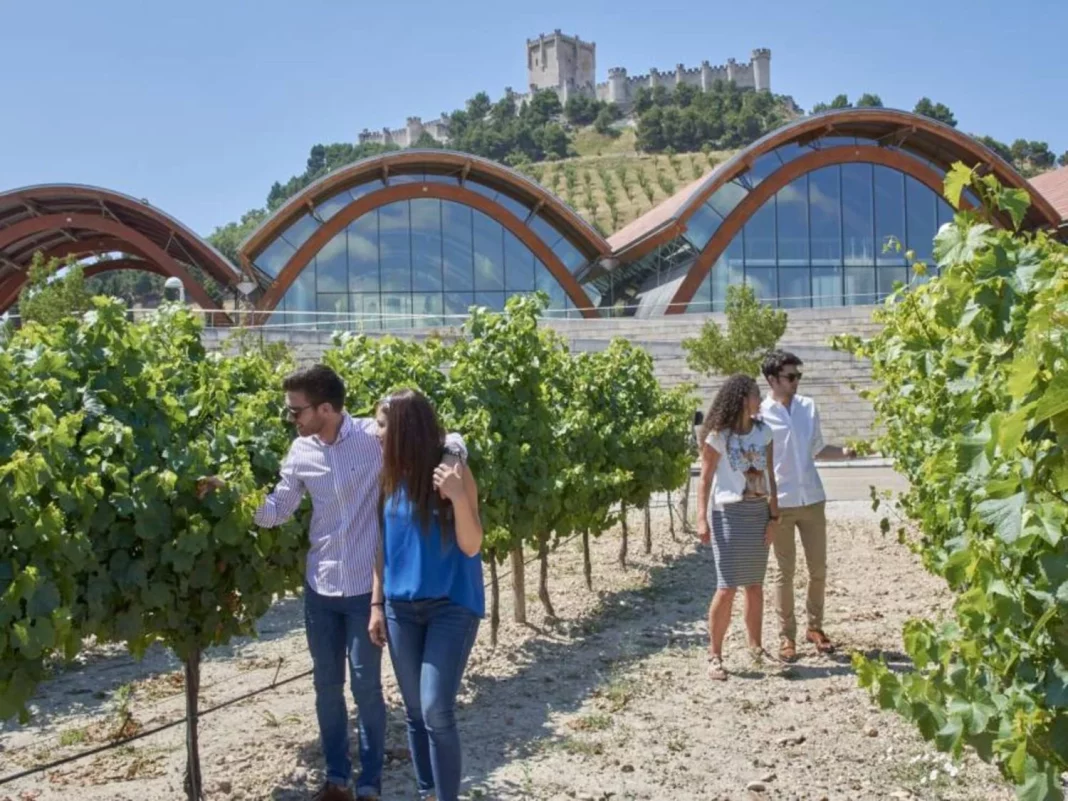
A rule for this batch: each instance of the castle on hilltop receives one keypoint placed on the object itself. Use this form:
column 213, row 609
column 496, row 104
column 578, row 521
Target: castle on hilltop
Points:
column 567, row 65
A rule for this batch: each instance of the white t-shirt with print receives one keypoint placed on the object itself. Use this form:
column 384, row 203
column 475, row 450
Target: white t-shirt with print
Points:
column 742, row 469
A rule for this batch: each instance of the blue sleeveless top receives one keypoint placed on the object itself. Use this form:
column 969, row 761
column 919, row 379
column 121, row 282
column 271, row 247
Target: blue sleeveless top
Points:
column 422, row 565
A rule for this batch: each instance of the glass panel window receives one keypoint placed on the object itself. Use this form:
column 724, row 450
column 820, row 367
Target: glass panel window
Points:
column 724, row 199
column 826, row 286
column 331, row 265
column 426, row 245
column 458, row 303
column 570, row 255
column 702, row 225
column 426, row 310
column 406, row 178
column 274, row 257
column 545, row 282
column 760, row 237
column 333, row 311
column 545, row 231
column 859, row 286
column 889, row 216
column 763, row 167
column 791, row 151
column 489, row 253
column 365, row 309
column 795, row 290
column 945, row 212
column 363, row 253
column 887, row 277
column 922, row 219
column 825, row 215
column 301, row 297
column 395, row 248
column 458, row 248
column 356, row 192
column 514, row 206
column 727, row 271
column 762, row 279
column 701, row 303
column 297, row 233
column 396, row 310
column 437, row 178
column 518, row 265
column 331, row 206
column 858, row 214
column 792, row 222
column 494, row 301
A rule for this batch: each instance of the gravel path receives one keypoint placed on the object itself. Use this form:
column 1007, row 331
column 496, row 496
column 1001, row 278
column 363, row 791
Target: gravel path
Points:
column 608, row 702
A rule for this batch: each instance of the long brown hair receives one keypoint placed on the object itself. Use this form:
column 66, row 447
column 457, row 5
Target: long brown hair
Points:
column 411, row 449
column 729, row 404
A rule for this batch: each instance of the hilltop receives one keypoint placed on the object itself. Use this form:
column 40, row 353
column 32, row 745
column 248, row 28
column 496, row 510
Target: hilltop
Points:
column 611, row 183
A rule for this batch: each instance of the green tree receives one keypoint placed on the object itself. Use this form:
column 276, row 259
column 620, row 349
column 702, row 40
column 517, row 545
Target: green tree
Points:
column 998, row 147
column 753, row 329
column 48, row 296
column 603, row 123
column 1062, row 161
column 868, row 100
column 973, row 403
column 936, row 111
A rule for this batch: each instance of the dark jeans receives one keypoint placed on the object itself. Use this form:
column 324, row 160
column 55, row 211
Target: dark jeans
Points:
column 336, row 629
column 429, row 642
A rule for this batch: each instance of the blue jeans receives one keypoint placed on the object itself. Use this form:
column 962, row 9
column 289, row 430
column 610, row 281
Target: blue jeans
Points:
column 429, row 642
column 336, row 629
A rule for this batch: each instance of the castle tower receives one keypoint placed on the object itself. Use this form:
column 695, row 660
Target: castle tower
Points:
column 561, row 62
column 415, row 130
column 680, row 74
column 732, row 70
column 762, row 69
column 706, row 76
column 617, row 85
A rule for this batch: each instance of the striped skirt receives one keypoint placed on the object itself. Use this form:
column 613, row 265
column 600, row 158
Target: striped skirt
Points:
column 738, row 543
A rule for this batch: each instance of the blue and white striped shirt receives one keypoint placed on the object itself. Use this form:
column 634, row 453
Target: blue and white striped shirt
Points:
column 343, row 481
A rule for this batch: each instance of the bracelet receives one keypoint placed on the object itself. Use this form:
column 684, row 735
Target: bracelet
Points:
column 378, row 603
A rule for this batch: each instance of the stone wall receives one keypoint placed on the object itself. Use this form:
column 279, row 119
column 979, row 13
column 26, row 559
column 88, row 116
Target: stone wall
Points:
column 832, row 379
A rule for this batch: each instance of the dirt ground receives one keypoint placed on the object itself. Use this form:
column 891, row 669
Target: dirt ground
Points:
column 609, row 702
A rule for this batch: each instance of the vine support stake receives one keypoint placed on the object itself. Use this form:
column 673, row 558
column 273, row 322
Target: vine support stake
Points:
column 519, row 585
column 194, row 785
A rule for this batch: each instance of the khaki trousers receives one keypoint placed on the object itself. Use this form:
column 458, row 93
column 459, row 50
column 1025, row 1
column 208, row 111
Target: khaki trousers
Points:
column 811, row 523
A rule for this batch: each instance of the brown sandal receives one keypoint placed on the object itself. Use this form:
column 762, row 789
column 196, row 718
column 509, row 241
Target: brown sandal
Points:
column 788, row 650
column 820, row 640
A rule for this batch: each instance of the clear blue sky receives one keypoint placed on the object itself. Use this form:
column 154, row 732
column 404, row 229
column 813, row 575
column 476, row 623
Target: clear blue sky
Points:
column 199, row 106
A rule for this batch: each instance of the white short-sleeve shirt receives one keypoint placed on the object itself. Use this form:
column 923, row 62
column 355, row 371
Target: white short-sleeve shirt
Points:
column 798, row 439
column 742, row 470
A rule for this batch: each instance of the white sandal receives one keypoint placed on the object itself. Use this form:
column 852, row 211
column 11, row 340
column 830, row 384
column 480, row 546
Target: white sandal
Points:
column 716, row 671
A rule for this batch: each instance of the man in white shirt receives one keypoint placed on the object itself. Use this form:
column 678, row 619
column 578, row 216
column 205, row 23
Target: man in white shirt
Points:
column 798, row 440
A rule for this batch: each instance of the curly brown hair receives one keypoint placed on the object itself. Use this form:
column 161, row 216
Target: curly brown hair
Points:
column 729, row 404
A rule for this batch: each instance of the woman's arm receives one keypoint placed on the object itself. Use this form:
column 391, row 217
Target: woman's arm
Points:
column 458, row 484
column 709, row 461
column 377, row 626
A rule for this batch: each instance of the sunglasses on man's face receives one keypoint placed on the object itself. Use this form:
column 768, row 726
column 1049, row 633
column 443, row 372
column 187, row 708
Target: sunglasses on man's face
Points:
column 793, row 378
column 293, row 412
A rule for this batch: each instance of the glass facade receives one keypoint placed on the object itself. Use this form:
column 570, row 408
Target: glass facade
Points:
column 834, row 236
column 274, row 256
column 414, row 263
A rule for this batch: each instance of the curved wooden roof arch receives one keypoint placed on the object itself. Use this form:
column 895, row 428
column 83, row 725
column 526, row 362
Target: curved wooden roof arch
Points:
column 68, row 220
column 429, row 162
column 894, row 131
column 461, row 166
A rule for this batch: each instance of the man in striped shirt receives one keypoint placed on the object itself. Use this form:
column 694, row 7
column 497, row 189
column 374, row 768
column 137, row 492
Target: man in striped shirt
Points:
column 337, row 460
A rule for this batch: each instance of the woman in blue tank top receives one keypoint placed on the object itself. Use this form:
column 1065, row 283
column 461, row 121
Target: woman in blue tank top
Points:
column 428, row 594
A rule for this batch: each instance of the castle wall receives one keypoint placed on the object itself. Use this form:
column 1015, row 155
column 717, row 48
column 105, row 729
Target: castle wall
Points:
column 567, row 65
